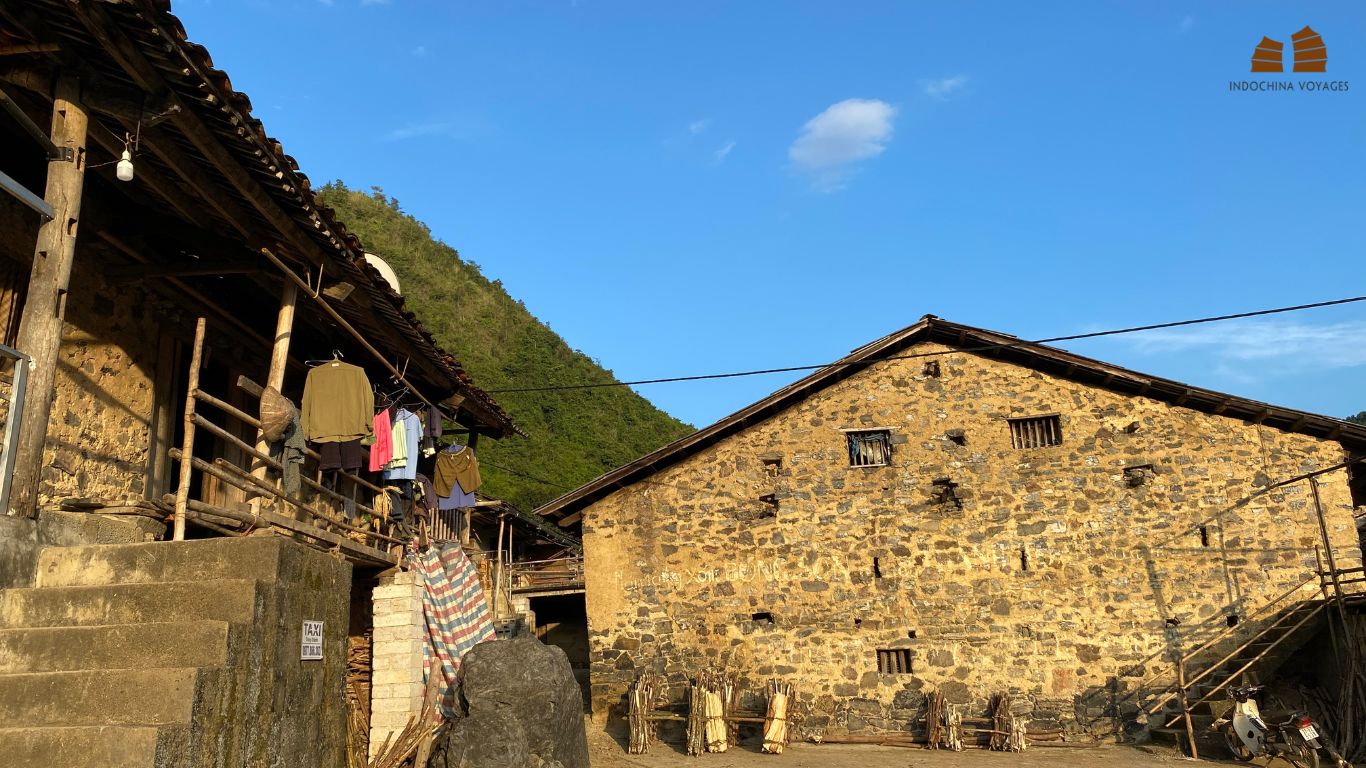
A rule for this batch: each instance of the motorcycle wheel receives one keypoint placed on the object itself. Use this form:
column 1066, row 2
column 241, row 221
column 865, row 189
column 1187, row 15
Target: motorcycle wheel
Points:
column 1301, row 754
column 1236, row 746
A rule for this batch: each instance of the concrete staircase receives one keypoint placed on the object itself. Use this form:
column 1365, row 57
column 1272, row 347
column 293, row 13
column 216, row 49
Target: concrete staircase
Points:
column 155, row 655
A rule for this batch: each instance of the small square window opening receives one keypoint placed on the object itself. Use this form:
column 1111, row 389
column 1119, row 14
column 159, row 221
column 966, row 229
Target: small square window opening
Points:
column 1035, row 432
column 870, row 448
column 894, row 661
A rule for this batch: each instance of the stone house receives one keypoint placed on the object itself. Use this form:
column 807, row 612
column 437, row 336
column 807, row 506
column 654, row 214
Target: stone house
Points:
column 953, row 508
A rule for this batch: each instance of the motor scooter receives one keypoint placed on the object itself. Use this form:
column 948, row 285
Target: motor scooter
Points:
column 1297, row 740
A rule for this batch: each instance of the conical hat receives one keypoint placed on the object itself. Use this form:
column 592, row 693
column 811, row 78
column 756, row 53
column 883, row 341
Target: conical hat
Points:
column 276, row 413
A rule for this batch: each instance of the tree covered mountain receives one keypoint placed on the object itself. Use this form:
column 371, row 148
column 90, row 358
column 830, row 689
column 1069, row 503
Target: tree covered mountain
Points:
column 575, row 435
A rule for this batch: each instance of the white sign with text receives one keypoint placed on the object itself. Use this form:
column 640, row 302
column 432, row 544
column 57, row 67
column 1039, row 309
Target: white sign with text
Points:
column 312, row 646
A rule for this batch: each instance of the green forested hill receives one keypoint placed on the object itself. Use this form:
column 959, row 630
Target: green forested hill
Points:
column 576, row 435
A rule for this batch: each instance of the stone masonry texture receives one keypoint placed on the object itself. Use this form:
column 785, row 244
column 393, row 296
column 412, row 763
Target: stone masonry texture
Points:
column 1051, row 576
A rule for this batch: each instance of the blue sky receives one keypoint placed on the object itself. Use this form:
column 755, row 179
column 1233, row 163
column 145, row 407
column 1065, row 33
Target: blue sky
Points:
column 694, row 187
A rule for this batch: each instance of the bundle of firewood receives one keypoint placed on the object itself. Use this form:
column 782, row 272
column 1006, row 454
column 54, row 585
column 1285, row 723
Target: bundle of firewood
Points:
column 775, row 720
column 642, row 702
column 709, row 701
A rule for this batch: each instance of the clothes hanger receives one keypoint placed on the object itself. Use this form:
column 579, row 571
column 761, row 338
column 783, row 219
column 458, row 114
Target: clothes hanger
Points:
column 335, row 361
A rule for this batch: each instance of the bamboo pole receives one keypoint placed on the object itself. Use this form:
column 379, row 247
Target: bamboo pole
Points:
column 182, row 494
column 40, row 330
column 275, row 375
column 1328, row 549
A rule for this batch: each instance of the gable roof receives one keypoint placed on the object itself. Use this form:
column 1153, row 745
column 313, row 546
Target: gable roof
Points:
column 964, row 338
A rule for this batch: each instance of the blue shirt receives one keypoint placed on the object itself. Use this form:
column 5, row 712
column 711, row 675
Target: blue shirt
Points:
column 412, row 429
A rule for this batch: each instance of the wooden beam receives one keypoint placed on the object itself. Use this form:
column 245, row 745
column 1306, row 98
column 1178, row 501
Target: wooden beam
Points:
column 230, row 318
column 571, row 519
column 192, row 268
column 40, row 330
column 132, row 60
column 196, row 181
column 1221, row 407
column 24, row 49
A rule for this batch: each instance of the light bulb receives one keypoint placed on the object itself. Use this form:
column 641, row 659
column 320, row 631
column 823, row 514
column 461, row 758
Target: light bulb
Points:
column 124, row 170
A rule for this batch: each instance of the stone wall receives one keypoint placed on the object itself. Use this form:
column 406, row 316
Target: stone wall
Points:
column 98, row 433
column 1051, row 575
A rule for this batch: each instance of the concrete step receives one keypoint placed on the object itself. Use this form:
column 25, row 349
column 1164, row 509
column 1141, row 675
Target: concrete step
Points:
column 114, row 646
column 162, row 561
column 98, row 697
column 229, row 600
column 93, row 747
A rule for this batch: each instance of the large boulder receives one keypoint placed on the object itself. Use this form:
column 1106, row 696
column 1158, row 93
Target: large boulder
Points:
column 522, row 709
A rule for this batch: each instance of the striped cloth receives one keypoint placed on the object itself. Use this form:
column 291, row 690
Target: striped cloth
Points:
column 456, row 613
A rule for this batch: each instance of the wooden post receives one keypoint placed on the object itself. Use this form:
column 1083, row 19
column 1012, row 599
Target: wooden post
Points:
column 498, row 569
column 40, row 330
column 275, row 377
column 1328, row 544
column 182, row 493
column 1185, row 705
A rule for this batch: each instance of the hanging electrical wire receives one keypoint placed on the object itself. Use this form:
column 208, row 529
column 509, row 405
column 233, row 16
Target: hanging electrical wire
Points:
column 980, row 348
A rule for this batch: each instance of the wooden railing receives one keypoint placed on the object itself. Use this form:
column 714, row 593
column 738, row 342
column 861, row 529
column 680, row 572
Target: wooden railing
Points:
column 546, row 575
column 340, row 518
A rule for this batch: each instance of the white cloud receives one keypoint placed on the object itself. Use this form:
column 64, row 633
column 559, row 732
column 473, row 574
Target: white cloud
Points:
column 719, row 156
column 945, row 86
column 698, row 126
column 416, row 130
column 1252, row 350
column 833, row 142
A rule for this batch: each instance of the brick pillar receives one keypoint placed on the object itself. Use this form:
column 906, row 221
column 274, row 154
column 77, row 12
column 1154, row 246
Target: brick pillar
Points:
column 396, row 685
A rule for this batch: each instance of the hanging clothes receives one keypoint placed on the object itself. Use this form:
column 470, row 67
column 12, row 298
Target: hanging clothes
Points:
column 428, row 497
column 407, row 434
column 293, row 452
column 383, row 449
column 347, row 456
column 431, row 430
column 456, row 465
column 338, row 404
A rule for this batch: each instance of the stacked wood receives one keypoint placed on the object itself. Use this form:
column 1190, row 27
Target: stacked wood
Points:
column 775, row 720
column 710, row 698
column 358, row 672
column 1000, row 722
column 953, row 727
column 641, row 698
column 934, row 713
column 1007, row 730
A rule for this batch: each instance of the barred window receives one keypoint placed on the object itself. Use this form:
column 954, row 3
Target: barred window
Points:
column 1035, row 432
column 870, row 448
column 894, row 661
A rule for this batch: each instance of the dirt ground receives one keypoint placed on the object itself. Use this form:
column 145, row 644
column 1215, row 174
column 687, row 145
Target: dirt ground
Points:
column 607, row 752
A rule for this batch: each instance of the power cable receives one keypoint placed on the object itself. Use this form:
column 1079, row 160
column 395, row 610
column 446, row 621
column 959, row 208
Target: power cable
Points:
column 982, row 348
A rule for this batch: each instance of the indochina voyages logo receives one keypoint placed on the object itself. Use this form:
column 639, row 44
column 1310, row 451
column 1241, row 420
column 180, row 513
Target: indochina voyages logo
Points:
column 1309, row 55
